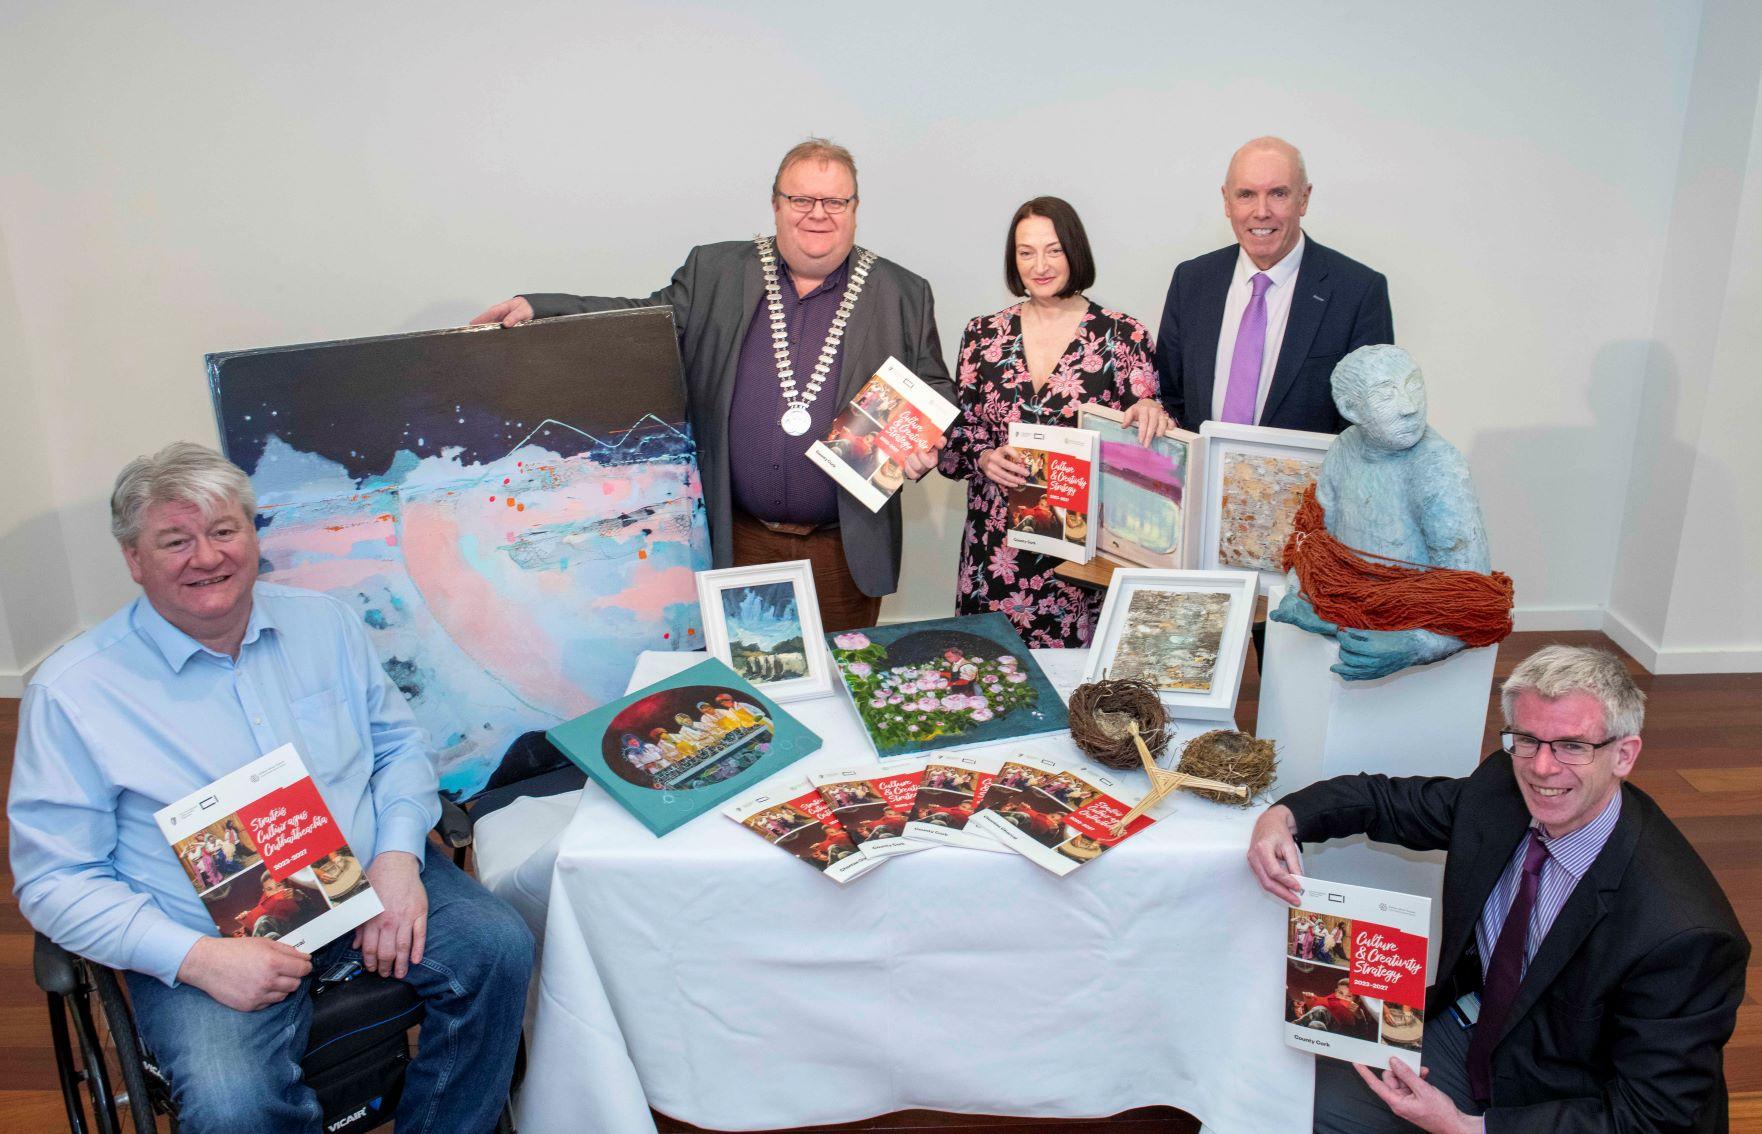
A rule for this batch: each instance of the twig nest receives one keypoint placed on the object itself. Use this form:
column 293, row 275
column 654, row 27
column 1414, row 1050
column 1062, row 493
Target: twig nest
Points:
column 1101, row 713
column 1233, row 757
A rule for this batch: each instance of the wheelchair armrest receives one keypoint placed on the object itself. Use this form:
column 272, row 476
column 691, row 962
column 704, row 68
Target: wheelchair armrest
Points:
column 454, row 826
column 55, row 968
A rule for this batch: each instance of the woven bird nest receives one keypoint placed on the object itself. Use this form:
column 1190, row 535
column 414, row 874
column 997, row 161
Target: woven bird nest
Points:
column 1233, row 757
column 1101, row 712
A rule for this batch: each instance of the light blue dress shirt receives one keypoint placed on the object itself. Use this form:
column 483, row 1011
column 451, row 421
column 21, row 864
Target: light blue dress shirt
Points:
column 135, row 714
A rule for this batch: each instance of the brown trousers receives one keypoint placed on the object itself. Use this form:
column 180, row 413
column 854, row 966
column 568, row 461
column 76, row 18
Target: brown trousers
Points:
column 842, row 605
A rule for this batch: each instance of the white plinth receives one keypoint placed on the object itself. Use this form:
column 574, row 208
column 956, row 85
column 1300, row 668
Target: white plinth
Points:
column 1424, row 721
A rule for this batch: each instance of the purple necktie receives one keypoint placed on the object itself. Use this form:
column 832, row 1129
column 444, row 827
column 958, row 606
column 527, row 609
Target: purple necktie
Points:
column 1244, row 391
column 1499, row 991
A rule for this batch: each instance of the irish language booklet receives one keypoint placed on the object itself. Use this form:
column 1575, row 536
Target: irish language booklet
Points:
column 1052, row 512
column 1355, row 972
column 895, row 413
column 871, row 802
column 1057, row 814
column 797, row 819
column 267, row 857
column 948, row 793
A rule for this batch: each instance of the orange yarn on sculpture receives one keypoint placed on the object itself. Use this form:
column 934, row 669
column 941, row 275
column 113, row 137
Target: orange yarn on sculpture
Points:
column 1350, row 590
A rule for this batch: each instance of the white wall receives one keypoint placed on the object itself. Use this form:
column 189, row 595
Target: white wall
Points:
column 180, row 179
column 1686, row 596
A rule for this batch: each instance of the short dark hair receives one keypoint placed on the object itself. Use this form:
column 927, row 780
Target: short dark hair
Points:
column 1068, row 227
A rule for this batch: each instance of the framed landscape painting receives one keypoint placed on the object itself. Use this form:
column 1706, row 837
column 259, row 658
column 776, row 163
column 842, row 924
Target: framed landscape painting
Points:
column 764, row 623
column 1255, row 477
column 1185, row 632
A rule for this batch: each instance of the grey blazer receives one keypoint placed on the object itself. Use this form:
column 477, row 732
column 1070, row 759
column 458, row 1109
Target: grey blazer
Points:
column 714, row 298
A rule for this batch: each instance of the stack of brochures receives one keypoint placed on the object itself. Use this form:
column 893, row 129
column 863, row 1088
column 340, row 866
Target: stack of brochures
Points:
column 847, row 821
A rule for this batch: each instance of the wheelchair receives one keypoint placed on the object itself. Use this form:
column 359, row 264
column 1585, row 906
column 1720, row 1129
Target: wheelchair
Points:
column 355, row 1057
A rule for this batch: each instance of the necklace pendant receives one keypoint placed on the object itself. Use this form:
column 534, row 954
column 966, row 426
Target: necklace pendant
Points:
column 796, row 421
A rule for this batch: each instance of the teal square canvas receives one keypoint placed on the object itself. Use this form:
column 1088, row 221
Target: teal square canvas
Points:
column 945, row 683
column 675, row 749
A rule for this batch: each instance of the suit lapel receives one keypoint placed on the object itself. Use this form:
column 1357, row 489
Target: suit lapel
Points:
column 1486, row 848
column 1213, row 294
column 752, row 296
column 1310, row 293
column 1586, row 906
column 859, row 332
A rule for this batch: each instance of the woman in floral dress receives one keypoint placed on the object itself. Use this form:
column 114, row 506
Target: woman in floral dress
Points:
column 1038, row 361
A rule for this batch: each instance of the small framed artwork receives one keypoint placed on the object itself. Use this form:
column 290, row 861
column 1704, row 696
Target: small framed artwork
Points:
column 1255, row 477
column 1185, row 632
column 1148, row 517
column 763, row 621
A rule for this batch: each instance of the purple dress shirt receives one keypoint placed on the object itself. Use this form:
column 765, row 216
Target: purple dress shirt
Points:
column 1568, row 858
column 771, row 475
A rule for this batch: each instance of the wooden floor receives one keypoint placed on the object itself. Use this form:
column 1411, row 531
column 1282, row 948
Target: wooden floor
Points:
column 1702, row 762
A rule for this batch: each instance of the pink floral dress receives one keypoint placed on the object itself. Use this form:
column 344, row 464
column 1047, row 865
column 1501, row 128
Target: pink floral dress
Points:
column 1108, row 362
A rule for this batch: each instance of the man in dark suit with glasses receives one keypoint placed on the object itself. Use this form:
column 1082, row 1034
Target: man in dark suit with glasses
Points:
column 1590, row 967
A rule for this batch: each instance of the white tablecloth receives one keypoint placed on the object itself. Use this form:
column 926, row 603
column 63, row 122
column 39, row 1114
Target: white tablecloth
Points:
column 730, row 986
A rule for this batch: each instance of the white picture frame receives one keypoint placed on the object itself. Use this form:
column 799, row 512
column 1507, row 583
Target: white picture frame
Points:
column 1225, row 444
column 1179, row 446
column 713, row 587
column 1218, row 702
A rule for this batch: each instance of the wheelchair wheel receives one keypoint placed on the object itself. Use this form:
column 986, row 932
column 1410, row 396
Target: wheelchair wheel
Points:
column 107, row 1078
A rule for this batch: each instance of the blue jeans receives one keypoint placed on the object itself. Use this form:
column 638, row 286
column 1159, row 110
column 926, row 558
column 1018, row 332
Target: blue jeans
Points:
column 232, row 1071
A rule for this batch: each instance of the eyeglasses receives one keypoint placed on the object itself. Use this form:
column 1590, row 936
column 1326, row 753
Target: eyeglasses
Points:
column 1525, row 746
column 833, row 205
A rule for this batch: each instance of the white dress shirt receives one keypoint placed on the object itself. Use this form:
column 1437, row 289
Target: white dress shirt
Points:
column 1278, row 312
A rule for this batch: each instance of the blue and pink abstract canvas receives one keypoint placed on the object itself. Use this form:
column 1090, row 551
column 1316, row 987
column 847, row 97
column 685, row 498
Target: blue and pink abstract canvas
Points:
column 515, row 514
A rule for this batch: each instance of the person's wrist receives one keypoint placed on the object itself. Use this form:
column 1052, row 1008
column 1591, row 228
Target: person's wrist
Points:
column 194, row 967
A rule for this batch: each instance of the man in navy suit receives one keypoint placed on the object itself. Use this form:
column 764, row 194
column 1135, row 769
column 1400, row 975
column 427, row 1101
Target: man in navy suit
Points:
column 1251, row 333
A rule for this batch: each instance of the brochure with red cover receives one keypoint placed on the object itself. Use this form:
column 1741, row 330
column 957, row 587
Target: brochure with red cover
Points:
column 948, row 793
column 797, row 819
column 267, row 857
column 895, row 413
column 1355, row 972
column 1053, row 512
column 871, row 802
column 1057, row 814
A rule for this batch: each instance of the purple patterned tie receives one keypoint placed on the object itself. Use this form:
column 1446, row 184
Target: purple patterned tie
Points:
column 1244, row 391
column 1499, row 991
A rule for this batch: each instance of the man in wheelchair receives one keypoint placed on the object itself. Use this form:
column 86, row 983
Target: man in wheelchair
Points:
column 205, row 671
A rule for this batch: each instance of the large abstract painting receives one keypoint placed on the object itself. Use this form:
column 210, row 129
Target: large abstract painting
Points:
column 514, row 514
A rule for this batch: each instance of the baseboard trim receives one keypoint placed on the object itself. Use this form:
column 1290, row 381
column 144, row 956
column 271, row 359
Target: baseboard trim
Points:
column 1681, row 660
column 11, row 684
column 1628, row 636
column 1532, row 618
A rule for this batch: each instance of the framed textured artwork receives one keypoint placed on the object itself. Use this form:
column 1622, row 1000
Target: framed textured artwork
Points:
column 945, row 683
column 1147, row 517
column 673, row 750
column 1255, row 477
column 764, row 622
column 1185, row 632
column 515, row 513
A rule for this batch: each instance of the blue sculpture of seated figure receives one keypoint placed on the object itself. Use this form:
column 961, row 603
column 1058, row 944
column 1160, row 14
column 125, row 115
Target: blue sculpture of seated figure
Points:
column 1391, row 487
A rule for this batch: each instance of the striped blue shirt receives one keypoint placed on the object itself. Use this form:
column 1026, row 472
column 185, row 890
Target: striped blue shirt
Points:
column 1568, row 858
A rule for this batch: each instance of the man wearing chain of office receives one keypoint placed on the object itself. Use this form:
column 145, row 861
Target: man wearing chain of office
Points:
column 777, row 334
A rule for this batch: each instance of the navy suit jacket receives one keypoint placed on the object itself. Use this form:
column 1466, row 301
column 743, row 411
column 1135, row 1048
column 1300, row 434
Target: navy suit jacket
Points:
column 1337, row 306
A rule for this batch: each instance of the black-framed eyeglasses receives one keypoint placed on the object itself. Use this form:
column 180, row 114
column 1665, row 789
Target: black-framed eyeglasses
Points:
column 832, row 205
column 1525, row 746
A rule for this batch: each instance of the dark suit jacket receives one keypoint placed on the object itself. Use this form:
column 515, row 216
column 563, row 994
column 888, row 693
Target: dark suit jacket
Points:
column 1621, row 1020
column 1337, row 306
column 714, row 297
